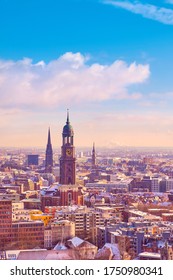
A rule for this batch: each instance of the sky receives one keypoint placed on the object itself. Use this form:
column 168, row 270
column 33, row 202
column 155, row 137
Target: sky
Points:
column 109, row 62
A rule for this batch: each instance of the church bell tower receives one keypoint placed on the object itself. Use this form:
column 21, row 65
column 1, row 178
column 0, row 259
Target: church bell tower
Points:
column 67, row 159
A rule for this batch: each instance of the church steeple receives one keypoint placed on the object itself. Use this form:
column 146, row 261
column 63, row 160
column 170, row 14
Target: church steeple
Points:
column 93, row 157
column 93, row 147
column 49, row 155
column 67, row 160
column 67, row 122
column 49, row 140
column 67, row 133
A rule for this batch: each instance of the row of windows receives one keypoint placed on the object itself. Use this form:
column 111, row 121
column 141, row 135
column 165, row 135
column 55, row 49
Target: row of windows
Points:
column 5, row 230
column 30, row 235
column 21, row 218
column 9, row 219
column 5, row 209
column 5, row 220
column 4, row 237
column 29, row 242
column 4, row 203
column 8, row 225
column 27, row 231
column 29, row 225
column 5, row 212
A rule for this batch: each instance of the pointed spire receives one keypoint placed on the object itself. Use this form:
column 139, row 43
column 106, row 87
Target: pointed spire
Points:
column 93, row 147
column 49, row 155
column 93, row 157
column 67, row 122
column 49, row 140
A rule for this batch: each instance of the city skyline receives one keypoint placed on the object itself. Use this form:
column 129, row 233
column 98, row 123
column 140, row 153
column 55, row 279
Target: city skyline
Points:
column 109, row 62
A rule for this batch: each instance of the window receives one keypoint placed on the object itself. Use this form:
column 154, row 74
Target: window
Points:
column 69, row 198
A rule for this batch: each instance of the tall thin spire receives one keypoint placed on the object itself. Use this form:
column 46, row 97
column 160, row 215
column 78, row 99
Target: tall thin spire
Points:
column 93, row 157
column 67, row 122
column 93, row 147
column 49, row 155
column 49, row 139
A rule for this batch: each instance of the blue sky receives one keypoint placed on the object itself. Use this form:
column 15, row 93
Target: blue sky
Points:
column 109, row 62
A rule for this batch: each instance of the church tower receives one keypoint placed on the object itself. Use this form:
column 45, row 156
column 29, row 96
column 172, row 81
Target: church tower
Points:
column 49, row 155
column 67, row 159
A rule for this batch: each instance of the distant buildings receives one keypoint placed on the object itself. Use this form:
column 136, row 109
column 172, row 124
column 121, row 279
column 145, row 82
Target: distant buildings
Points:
column 115, row 207
column 32, row 160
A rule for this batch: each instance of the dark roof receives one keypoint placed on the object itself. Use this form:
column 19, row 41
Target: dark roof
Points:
column 68, row 129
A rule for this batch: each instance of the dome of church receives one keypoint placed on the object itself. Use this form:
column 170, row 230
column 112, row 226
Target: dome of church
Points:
column 68, row 129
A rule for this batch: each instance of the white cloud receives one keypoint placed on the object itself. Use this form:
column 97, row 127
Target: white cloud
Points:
column 156, row 13
column 67, row 79
column 169, row 1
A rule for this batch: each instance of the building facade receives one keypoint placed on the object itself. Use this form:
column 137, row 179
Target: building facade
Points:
column 5, row 223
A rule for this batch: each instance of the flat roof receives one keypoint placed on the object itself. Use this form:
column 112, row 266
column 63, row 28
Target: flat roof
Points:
column 167, row 214
column 30, row 200
column 104, row 207
column 150, row 254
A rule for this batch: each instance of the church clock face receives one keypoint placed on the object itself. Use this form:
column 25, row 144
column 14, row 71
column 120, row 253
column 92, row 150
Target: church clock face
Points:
column 69, row 152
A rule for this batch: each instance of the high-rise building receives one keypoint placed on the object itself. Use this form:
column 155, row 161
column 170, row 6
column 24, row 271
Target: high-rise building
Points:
column 27, row 235
column 49, row 155
column 67, row 159
column 169, row 185
column 5, row 223
column 62, row 230
column 86, row 221
column 155, row 184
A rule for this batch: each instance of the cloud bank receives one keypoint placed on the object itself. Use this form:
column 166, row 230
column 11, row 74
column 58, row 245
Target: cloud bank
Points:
column 70, row 78
column 161, row 14
column 169, row 1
